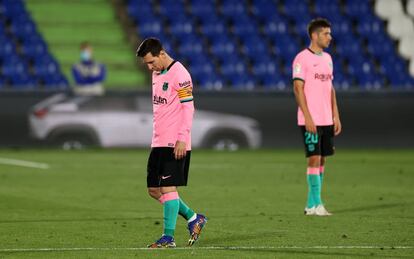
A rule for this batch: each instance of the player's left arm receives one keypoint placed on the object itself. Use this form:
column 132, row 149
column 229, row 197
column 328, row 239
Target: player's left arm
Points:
column 184, row 90
column 335, row 112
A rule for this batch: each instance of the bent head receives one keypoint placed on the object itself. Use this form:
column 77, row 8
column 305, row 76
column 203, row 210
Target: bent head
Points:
column 153, row 54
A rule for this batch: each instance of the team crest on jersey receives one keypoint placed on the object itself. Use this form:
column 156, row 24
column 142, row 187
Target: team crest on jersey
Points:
column 165, row 86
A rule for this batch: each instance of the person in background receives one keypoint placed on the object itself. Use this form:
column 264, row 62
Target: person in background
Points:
column 318, row 114
column 88, row 74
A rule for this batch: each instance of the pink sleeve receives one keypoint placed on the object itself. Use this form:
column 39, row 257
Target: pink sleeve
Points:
column 184, row 88
column 298, row 68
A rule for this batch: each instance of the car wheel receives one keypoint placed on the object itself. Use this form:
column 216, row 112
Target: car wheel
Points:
column 74, row 142
column 227, row 142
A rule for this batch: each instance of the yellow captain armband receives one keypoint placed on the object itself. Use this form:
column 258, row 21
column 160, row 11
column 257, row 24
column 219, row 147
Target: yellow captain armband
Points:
column 185, row 94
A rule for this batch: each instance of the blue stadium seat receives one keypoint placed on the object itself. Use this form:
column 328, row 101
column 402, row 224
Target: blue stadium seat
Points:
column 241, row 81
column 348, row 46
column 34, row 50
column 14, row 67
column 191, row 49
column 297, row 8
column 223, row 46
column 210, row 30
column 54, row 81
column 23, row 81
column 274, row 82
column 286, row 47
column 181, row 29
column 380, row 45
column 342, row 81
column 231, row 8
column 13, row 9
column 212, row 82
column 146, row 29
column 341, row 28
column 278, row 26
column 140, row 10
column 6, row 47
column 264, row 69
column 357, row 9
column 327, row 8
column 200, row 8
column 370, row 28
column 265, row 10
column 45, row 67
column 254, row 47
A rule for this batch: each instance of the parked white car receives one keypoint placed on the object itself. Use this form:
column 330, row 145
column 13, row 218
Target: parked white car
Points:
column 74, row 122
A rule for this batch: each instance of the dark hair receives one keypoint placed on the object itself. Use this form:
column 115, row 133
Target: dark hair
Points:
column 149, row 45
column 84, row 44
column 317, row 24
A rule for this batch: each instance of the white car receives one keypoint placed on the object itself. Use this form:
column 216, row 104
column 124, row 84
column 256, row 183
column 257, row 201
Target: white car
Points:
column 74, row 122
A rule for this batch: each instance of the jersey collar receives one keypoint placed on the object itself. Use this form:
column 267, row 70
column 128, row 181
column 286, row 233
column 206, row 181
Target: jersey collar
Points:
column 313, row 52
column 168, row 68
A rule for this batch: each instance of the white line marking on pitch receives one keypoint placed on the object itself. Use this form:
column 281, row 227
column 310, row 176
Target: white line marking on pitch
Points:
column 200, row 248
column 8, row 161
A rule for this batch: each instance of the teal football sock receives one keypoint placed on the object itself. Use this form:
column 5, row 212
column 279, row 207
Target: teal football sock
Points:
column 185, row 211
column 314, row 182
column 321, row 173
column 170, row 216
column 314, row 185
column 310, row 203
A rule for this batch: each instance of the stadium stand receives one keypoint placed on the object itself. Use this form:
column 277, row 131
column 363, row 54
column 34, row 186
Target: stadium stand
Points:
column 246, row 44
column 65, row 24
column 25, row 60
column 238, row 44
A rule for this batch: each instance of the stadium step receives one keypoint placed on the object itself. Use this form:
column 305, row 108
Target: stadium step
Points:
column 65, row 24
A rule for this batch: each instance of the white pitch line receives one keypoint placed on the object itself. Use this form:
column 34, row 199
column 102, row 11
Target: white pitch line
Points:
column 23, row 163
column 63, row 249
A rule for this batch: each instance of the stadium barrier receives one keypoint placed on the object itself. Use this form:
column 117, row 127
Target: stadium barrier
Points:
column 369, row 119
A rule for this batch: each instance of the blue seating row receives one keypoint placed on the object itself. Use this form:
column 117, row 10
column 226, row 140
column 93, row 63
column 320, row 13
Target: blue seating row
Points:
column 25, row 61
column 245, row 44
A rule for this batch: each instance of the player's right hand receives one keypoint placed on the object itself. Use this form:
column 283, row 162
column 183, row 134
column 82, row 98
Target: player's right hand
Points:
column 310, row 125
column 180, row 150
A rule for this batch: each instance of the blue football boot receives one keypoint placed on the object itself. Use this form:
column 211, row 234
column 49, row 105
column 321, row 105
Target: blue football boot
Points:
column 195, row 228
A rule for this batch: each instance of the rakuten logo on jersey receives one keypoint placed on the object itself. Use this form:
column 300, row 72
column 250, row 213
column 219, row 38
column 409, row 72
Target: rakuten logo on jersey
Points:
column 159, row 100
column 323, row 77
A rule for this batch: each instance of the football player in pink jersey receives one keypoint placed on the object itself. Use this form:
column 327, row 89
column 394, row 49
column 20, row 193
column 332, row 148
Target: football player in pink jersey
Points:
column 169, row 160
column 318, row 115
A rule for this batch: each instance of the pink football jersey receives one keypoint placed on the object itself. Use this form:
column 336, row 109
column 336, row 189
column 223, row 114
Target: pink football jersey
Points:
column 317, row 73
column 173, row 106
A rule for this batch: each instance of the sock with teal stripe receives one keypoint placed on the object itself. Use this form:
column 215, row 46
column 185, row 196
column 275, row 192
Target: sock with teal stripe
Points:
column 321, row 172
column 171, row 207
column 185, row 211
column 314, row 185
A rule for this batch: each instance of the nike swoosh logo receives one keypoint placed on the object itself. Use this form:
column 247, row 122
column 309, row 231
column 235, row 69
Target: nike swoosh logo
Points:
column 165, row 177
column 315, row 65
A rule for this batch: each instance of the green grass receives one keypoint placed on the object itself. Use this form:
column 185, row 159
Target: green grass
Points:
column 254, row 199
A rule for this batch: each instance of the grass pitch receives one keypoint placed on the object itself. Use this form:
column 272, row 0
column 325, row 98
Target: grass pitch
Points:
column 93, row 204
